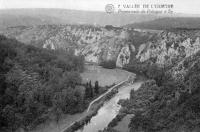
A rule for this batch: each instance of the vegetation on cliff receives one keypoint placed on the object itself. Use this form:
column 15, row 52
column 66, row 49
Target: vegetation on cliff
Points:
column 164, row 103
column 167, row 104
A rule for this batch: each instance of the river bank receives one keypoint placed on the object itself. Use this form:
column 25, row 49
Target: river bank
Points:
column 92, row 112
column 95, row 106
column 109, row 110
column 92, row 73
column 118, row 118
column 122, row 119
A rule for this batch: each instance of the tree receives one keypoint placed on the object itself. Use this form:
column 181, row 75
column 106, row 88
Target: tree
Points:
column 194, row 83
column 91, row 89
column 71, row 79
column 10, row 117
column 141, row 123
column 156, row 73
column 87, row 91
column 57, row 105
column 132, row 94
column 96, row 87
column 109, row 64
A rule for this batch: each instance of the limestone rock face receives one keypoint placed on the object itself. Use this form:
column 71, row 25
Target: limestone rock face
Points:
column 122, row 45
column 96, row 44
column 168, row 48
column 123, row 57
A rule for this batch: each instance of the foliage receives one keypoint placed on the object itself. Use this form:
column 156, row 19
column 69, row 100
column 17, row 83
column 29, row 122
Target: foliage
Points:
column 37, row 82
column 173, row 107
column 109, row 64
column 96, row 87
column 151, row 71
column 156, row 73
column 89, row 92
column 140, row 122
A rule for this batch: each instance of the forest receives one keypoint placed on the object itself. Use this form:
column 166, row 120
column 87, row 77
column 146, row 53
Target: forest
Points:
column 164, row 103
column 38, row 84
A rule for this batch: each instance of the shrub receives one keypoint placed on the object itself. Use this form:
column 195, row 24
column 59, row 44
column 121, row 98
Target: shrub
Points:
column 110, row 64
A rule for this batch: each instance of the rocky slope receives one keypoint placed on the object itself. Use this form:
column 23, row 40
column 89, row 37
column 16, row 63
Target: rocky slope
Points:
column 170, row 46
column 123, row 45
column 167, row 103
column 95, row 43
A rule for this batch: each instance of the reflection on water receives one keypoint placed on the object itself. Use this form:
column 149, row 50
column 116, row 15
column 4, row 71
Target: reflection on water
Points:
column 109, row 110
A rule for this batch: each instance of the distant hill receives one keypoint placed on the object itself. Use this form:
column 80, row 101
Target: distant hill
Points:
column 169, row 23
column 28, row 17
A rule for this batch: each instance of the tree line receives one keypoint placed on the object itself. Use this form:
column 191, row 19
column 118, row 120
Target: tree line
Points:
column 90, row 91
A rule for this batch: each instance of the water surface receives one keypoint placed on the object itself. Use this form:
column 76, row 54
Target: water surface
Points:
column 109, row 110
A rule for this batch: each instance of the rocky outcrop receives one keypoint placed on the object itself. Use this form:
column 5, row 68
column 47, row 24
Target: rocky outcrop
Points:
column 123, row 57
column 169, row 49
column 98, row 44
column 95, row 43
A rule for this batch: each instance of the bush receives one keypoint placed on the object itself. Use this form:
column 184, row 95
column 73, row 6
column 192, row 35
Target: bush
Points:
column 140, row 121
column 110, row 64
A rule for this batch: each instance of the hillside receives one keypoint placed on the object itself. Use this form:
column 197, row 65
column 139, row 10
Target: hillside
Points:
column 97, row 44
column 37, row 85
column 169, row 23
column 121, row 45
column 167, row 103
column 31, row 17
column 169, row 100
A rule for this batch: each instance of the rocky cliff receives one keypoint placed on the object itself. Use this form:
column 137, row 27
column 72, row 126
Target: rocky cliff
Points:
column 95, row 43
column 123, row 45
column 170, row 47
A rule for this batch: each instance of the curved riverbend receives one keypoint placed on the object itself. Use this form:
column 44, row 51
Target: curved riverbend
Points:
column 109, row 110
column 106, row 77
column 99, row 98
column 106, row 93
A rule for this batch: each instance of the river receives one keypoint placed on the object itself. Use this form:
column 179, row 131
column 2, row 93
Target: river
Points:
column 109, row 110
column 106, row 113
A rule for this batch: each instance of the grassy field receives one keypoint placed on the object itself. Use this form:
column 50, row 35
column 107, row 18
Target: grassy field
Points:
column 106, row 77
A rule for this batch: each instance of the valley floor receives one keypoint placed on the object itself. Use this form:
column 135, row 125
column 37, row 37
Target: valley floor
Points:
column 106, row 77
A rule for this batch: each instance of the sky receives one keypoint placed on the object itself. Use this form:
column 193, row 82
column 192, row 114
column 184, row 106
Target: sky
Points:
column 180, row 6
